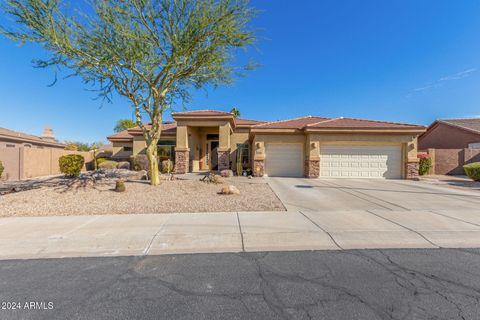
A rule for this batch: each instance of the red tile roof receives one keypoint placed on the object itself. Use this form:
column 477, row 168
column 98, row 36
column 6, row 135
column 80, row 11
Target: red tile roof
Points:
column 296, row 123
column 342, row 123
column 472, row 124
column 168, row 128
column 202, row 113
column 247, row 122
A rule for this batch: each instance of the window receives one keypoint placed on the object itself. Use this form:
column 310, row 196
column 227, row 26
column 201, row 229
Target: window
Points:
column 474, row 145
column 127, row 149
column 166, row 150
column 10, row 145
column 243, row 151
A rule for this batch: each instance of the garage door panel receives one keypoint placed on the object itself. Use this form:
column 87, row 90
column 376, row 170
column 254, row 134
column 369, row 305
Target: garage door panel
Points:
column 284, row 160
column 353, row 161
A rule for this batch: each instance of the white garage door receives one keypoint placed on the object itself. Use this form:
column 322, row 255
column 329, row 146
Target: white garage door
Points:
column 351, row 161
column 284, row 160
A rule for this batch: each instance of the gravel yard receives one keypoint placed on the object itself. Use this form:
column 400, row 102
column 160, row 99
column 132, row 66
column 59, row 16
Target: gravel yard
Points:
column 140, row 197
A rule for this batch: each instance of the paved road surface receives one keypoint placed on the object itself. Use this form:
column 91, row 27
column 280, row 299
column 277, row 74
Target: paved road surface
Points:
column 363, row 284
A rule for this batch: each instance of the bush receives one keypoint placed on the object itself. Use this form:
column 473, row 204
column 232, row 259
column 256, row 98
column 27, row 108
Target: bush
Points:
column 425, row 165
column 140, row 162
column 123, row 165
column 473, row 170
column 167, row 166
column 108, row 165
column 1, row 169
column 71, row 165
column 101, row 160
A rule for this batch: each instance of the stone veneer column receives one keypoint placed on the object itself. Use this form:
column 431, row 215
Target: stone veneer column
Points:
column 312, row 168
column 223, row 159
column 182, row 160
column 412, row 170
column 258, row 168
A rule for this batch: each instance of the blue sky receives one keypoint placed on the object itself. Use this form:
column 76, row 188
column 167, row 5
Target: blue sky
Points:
column 400, row 60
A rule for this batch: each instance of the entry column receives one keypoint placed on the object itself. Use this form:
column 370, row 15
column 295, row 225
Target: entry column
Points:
column 224, row 146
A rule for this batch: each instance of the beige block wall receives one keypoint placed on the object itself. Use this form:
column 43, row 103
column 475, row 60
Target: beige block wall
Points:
column 139, row 145
column 25, row 163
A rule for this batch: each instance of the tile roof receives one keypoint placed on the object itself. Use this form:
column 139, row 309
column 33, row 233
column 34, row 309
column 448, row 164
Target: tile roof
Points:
column 353, row 123
column 168, row 128
column 247, row 122
column 296, row 123
column 202, row 113
column 28, row 137
column 472, row 124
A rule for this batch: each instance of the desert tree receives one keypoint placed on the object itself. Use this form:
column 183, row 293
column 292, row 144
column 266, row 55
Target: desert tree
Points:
column 152, row 52
column 236, row 113
column 124, row 124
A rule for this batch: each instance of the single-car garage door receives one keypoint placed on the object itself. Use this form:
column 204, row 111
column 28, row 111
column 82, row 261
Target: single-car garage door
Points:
column 284, row 160
column 354, row 161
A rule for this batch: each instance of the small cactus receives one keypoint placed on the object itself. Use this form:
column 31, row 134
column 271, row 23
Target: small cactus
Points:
column 1, row 169
column 120, row 185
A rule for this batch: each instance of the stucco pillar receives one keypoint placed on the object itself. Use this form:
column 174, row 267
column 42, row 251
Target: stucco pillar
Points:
column 312, row 158
column 182, row 152
column 224, row 147
column 259, row 158
column 412, row 162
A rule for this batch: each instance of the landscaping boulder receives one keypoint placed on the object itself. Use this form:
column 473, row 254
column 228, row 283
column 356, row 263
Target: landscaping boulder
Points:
column 212, row 178
column 230, row 190
column 123, row 165
column 227, row 173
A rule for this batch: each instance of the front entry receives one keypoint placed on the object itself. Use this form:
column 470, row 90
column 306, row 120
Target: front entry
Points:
column 213, row 150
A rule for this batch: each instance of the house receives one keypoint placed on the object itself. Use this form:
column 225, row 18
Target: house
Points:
column 309, row 146
column 14, row 139
column 451, row 134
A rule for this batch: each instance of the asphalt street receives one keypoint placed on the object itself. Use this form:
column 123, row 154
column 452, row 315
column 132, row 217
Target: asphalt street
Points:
column 356, row 284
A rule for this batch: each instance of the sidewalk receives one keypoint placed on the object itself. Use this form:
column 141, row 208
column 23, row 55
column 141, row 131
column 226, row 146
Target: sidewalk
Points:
column 153, row 234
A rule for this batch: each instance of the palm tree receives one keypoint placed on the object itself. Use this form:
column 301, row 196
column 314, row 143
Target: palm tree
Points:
column 235, row 112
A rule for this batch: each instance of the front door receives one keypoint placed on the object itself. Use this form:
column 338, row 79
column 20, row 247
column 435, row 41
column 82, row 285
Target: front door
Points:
column 214, row 155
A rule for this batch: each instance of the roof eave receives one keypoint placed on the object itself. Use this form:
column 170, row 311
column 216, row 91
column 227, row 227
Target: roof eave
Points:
column 365, row 130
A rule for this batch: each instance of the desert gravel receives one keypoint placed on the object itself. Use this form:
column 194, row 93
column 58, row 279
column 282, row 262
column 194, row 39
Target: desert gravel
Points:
column 140, row 197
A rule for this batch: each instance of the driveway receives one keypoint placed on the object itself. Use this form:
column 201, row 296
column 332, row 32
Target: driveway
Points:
column 299, row 194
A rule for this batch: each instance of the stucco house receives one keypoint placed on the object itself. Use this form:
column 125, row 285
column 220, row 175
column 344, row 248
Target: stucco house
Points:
column 309, row 146
column 451, row 134
column 14, row 139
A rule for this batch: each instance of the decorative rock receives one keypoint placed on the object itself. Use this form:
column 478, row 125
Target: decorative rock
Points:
column 227, row 173
column 230, row 190
column 123, row 165
column 212, row 178
column 120, row 185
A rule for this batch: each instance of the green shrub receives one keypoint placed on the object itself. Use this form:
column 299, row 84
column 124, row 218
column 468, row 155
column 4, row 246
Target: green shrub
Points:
column 473, row 170
column 108, row 165
column 1, row 169
column 425, row 166
column 71, row 165
column 101, row 160
column 167, row 166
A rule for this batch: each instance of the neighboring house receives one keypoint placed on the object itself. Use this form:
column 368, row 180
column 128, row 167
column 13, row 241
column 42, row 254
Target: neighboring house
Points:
column 13, row 139
column 451, row 134
column 451, row 144
column 308, row 146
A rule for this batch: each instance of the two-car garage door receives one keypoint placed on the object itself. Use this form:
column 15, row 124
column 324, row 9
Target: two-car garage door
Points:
column 354, row 161
column 336, row 161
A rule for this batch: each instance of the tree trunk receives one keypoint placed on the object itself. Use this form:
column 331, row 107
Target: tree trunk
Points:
column 153, row 163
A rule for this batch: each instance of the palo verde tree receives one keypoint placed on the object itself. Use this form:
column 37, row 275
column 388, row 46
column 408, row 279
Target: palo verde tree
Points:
column 153, row 52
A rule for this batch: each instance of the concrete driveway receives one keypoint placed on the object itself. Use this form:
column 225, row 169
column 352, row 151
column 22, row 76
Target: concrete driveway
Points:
column 299, row 194
column 322, row 215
